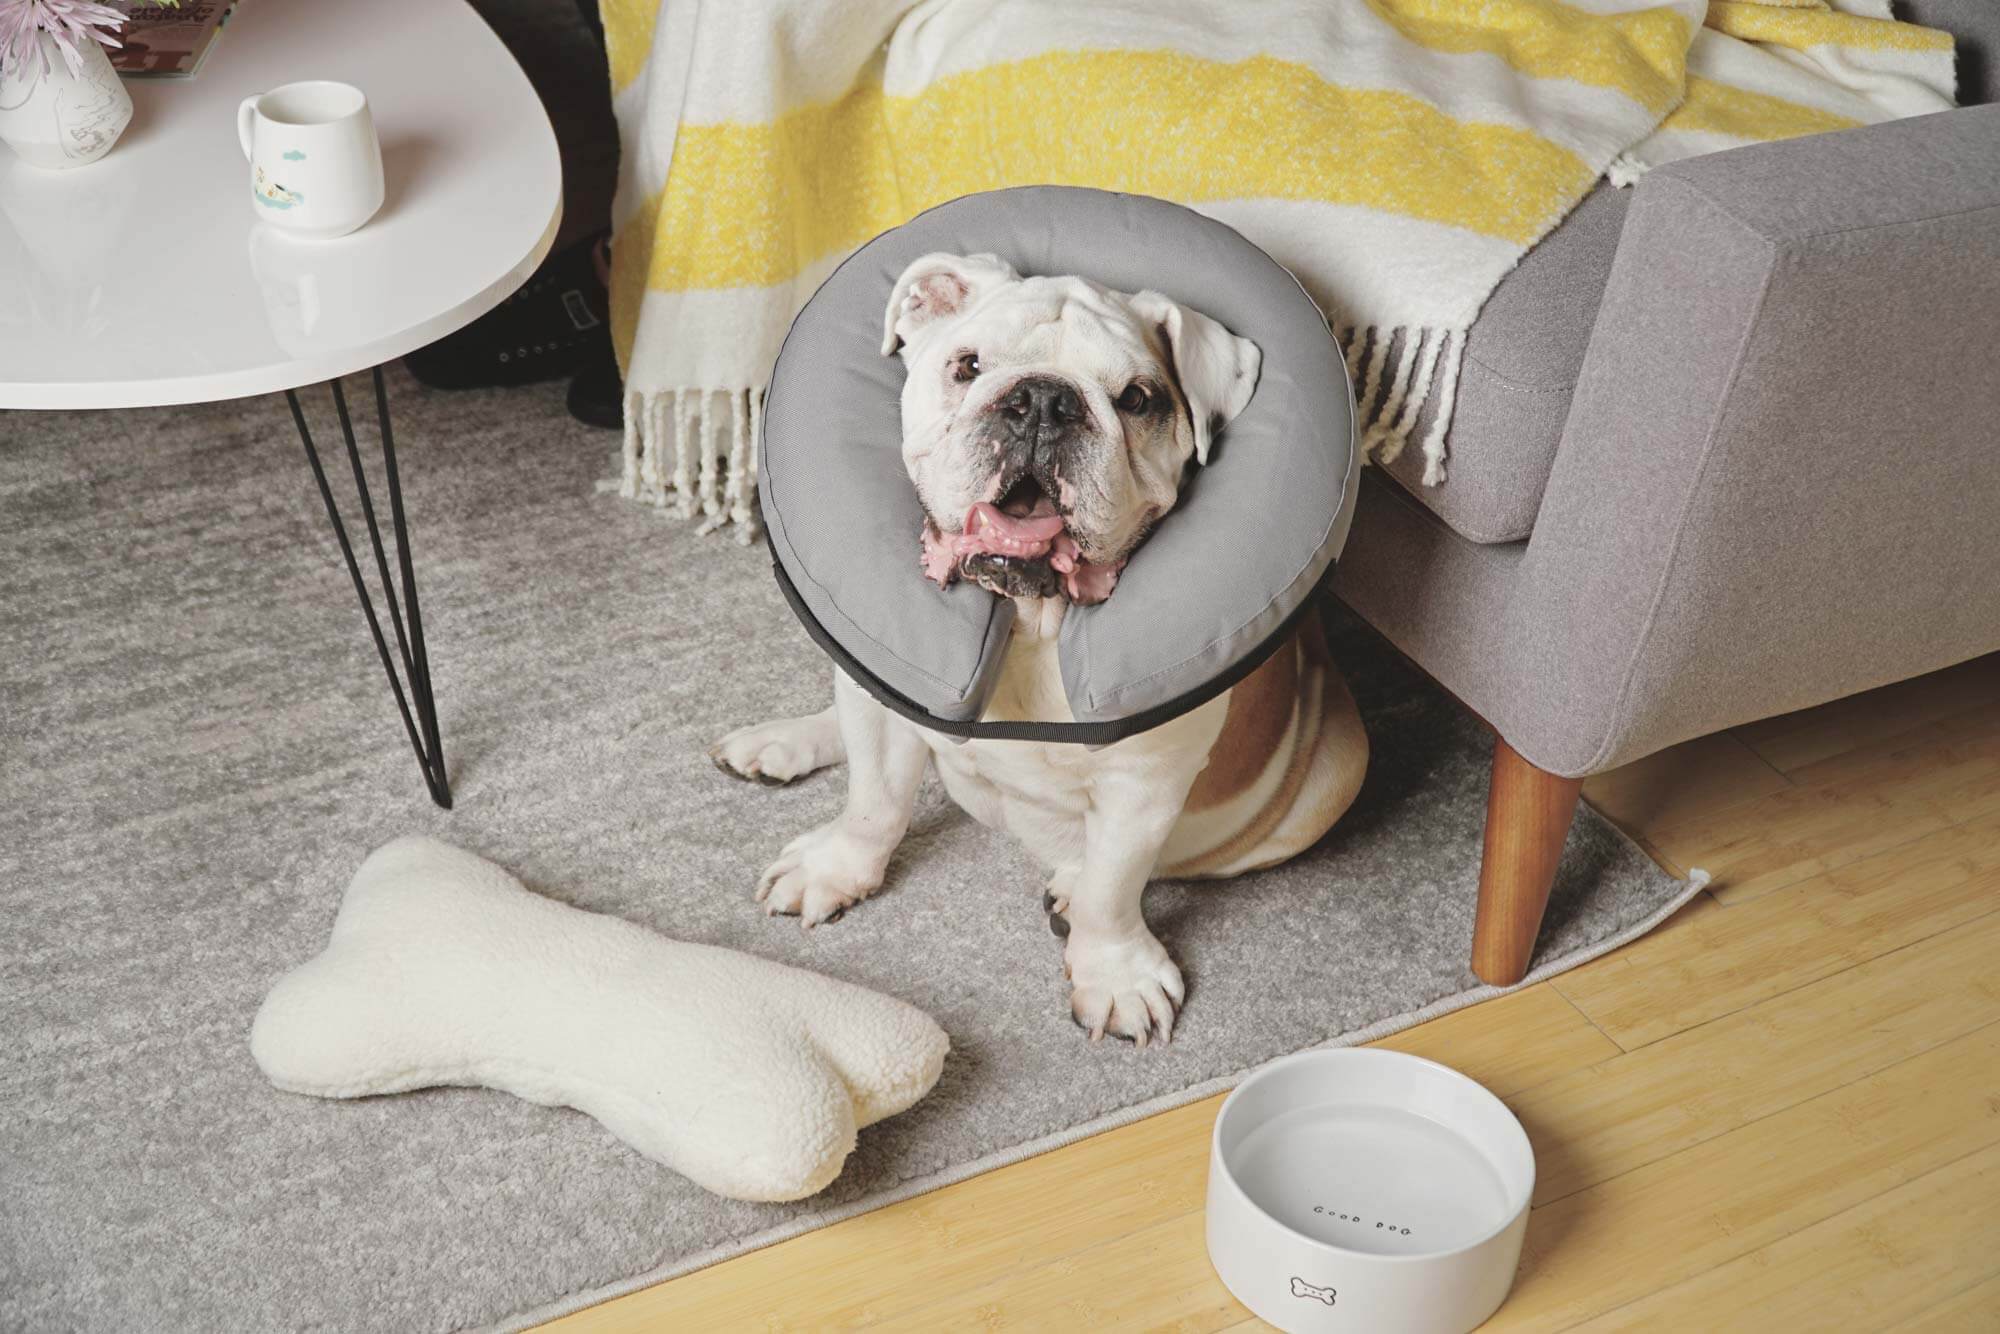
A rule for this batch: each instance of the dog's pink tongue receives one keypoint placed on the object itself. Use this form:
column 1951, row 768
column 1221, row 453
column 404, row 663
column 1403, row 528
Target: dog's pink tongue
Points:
column 1086, row 583
column 988, row 522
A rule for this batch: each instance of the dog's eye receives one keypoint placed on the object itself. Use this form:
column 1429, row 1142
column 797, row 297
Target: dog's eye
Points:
column 1136, row 398
column 966, row 368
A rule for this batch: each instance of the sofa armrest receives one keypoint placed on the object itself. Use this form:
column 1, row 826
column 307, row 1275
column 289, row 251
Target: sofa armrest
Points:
column 1779, row 481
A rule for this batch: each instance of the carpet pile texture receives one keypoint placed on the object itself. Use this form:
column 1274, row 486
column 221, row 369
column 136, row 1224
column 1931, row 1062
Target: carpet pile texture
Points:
column 197, row 748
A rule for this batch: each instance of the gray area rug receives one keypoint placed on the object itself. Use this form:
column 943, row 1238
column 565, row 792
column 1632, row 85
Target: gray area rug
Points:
column 197, row 747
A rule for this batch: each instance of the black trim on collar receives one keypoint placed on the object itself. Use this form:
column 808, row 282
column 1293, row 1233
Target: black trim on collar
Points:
column 1072, row 733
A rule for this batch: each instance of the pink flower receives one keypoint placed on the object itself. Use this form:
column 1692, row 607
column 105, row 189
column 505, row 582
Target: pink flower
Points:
column 69, row 23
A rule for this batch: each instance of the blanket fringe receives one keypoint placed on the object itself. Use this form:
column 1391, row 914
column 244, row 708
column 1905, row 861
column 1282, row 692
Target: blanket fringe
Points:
column 694, row 452
column 1397, row 374
column 1625, row 170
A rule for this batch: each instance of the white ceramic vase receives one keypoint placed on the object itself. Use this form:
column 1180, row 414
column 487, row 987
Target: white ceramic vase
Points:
column 59, row 119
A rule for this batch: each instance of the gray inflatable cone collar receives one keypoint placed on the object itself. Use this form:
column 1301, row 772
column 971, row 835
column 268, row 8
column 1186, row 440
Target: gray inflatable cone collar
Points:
column 1205, row 599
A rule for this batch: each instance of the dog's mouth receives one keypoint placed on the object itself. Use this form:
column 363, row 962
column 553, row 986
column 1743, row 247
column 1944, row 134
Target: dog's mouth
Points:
column 1019, row 546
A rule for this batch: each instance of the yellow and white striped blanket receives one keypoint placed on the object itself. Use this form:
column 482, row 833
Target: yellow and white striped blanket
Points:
column 1399, row 156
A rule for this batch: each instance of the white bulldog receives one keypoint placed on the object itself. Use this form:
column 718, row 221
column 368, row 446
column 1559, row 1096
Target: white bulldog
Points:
column 1048, row 424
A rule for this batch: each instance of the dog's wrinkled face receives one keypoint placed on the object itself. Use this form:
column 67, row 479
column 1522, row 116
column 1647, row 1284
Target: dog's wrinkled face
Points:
column 1048, row 422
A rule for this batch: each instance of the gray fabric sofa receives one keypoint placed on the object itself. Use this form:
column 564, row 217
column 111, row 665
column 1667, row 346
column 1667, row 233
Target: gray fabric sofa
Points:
column 1727, row 445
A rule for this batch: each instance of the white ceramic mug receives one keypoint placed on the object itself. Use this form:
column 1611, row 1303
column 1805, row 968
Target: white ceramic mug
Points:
column 315, row 164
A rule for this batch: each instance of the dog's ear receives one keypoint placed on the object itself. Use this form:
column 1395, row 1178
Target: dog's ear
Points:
column 1216, row 369
column 936, row 286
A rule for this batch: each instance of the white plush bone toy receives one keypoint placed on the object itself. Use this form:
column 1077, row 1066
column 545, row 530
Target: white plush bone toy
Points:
column 746, row 1076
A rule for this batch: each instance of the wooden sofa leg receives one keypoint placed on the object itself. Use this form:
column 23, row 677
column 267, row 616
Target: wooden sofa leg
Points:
column 1528, row 811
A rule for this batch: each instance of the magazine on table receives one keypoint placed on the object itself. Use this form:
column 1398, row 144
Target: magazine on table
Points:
column 169, row 41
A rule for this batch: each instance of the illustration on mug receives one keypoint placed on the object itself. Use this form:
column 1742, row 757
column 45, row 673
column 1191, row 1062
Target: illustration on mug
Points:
column 273, row 195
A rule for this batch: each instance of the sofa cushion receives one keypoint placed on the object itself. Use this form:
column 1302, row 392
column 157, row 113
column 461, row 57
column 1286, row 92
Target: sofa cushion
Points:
column 1522, row 358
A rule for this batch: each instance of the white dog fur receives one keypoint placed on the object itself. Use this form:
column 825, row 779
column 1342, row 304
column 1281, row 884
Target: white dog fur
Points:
column 1126, row 391
column 748, row 1077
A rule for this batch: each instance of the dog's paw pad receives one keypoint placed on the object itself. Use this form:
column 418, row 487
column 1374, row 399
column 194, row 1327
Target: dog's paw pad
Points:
column 1055, row 908
column 1055, row 901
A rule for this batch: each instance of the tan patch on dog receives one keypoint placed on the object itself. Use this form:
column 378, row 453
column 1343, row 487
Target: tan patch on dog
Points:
column 1259, row 717
column 1273, row 810
column 1277, row 794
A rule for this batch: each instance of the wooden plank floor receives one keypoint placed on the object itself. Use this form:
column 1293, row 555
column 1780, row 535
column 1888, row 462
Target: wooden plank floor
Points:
column 1778, row 1112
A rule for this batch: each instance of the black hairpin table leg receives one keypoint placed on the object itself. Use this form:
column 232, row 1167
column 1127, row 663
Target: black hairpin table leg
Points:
column 422, row 725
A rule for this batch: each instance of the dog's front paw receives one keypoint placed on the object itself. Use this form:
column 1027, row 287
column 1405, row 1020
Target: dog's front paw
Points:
column 773, row 753
column 1126, row 986
column 819, row 876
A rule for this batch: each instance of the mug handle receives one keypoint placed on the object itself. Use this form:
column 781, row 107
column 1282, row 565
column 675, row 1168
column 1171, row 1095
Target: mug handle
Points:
column 245, row 115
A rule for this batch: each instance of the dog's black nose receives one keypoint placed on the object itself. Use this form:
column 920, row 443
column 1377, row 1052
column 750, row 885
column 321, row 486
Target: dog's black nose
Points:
column 1040, row 401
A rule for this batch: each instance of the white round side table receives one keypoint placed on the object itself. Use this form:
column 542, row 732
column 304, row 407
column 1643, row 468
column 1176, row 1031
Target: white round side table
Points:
column 145, row 279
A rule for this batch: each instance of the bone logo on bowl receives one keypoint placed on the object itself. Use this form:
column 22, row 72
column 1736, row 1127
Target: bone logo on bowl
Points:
column 1301, row 1288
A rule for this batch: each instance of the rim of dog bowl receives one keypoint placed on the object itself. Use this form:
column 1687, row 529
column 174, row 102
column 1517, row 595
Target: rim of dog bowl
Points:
column 1520, row 1135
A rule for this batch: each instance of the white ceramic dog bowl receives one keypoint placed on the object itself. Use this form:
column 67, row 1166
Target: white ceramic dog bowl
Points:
column 1366, row 1190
